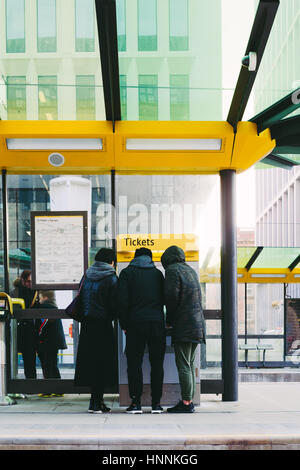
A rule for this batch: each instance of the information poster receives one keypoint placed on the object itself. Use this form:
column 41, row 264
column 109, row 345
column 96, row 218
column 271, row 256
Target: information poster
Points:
column 59, row 249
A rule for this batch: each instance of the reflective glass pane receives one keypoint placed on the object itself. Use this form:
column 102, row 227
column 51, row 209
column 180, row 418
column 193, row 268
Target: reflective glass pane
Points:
column 193, row 41
column 278, row 73
column 15, row 25
column 16, row 98
column 43, row 193
column 148, row 98
column 276, row 258
column 121, row 24
column 179, row 98
column 33, row 87
column 147, row 25
column 179, row 40
column 47, row 98
column 84, row 26
column 123, row 96
column 85, row 97
column 46, row 25
column 243, row 255
column 174, row 206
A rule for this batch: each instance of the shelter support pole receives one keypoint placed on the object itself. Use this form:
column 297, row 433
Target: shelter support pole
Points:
column 229, row 285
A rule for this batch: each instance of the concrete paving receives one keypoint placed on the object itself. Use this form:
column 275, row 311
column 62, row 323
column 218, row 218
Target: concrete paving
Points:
column 267, row 416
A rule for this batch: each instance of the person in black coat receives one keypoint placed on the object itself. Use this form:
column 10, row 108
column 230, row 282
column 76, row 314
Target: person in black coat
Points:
column 51, row 339
column 96, row 355
column 26, row 331
column 140, row 312
column 185, row 316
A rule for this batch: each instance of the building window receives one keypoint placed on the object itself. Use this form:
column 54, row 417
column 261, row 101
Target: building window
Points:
column 46, row 25
column 179, row 98
column 85, row 98
column 121, row 25
column 147, row 25
column 84, row 26
column 178, row 11
column 123, row 94
column 15, row 26
column 148, row 98
column 47, row 88
column 16, row 98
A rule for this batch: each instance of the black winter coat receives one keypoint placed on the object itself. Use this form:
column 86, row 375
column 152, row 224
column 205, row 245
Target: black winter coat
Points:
column 183, row 298
column 140, row 293
column 50, row 332
column 96, row 364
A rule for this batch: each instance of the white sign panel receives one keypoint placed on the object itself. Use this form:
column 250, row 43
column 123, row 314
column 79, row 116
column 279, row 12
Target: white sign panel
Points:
column 59, row 249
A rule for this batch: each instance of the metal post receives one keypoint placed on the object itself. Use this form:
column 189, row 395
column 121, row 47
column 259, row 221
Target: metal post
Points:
column 229, row 286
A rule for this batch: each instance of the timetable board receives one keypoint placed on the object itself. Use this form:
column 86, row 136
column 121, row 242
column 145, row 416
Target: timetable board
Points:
column 59, row 249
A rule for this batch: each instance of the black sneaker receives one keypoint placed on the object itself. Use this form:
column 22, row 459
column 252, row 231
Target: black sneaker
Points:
column 134, row 408
column 91, row 406
column 181, row 408
column 157, row 409
column 100, row 407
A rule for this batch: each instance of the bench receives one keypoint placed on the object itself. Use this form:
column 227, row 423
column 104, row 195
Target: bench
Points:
column 255, row 347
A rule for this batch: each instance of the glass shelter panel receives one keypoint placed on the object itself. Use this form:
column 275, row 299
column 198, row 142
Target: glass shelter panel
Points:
column 43, row 193
column 191, row 47
column 161, row 206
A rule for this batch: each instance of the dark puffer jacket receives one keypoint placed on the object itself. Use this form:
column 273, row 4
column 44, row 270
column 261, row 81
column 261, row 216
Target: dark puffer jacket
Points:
column 182, row 298
column 140, row 293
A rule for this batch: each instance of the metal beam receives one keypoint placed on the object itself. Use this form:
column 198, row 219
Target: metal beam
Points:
column 259, row 36
column 279, row 162
column 289, row 144
column 294, row 263
column 277, row 111
column 285, row 128
column 254, row 257
column 108, row 44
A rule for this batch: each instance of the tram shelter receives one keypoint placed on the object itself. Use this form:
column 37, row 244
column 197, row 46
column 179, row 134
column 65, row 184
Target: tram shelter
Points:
column 115, row 147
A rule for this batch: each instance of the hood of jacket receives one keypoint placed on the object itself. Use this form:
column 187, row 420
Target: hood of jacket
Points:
column 172, row 255
column 99, row 270
column 144, row 262
column 17, row 282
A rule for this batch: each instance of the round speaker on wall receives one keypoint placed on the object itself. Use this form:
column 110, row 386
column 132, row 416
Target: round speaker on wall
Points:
column 56, row 159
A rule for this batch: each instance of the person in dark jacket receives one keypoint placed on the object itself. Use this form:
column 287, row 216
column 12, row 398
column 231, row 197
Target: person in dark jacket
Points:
column 51, row 339
column 95, row 363
column 26, row 331
column 140, row 312
column 185, row 316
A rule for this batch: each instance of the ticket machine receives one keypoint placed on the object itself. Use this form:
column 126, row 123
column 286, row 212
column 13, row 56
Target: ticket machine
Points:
column 126, row 246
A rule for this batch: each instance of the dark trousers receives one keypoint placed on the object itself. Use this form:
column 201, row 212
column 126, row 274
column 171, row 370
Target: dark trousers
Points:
column 29, row 360
column 137, row 337
column 49, row 364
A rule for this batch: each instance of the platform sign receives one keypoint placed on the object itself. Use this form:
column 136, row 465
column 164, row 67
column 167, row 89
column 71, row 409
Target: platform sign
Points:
column 59, row 249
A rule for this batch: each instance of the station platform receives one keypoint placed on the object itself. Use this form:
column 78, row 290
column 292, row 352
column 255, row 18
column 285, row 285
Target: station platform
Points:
column 266, row 417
